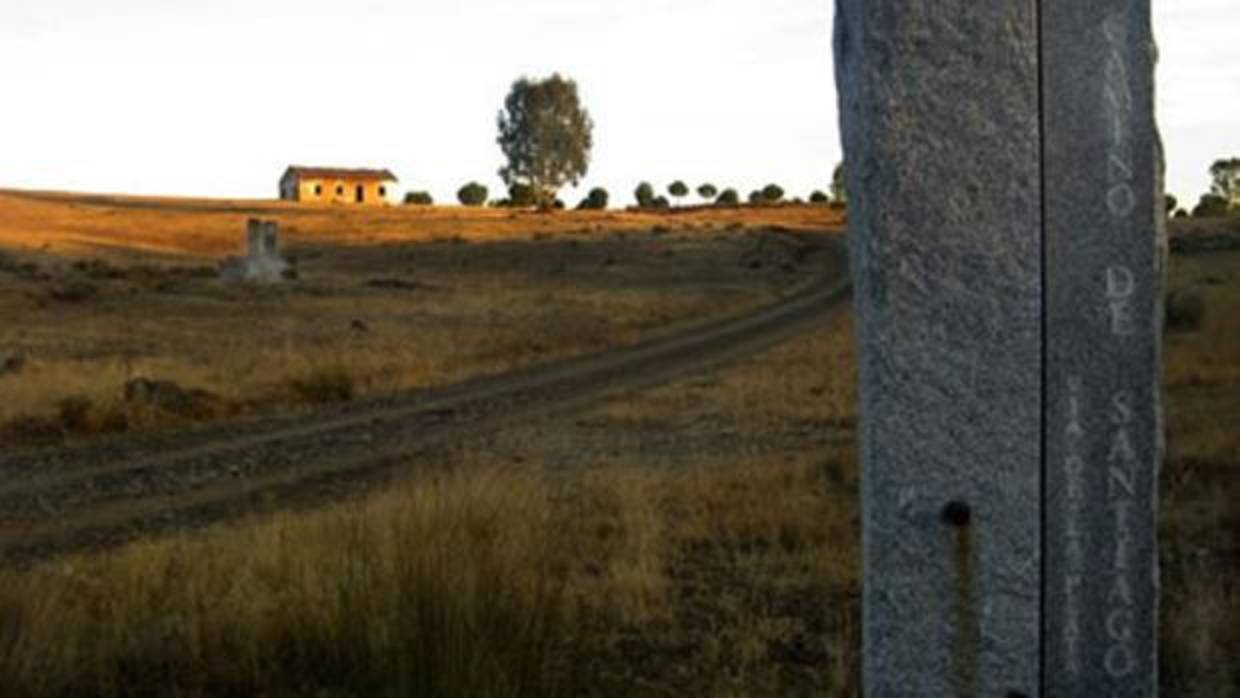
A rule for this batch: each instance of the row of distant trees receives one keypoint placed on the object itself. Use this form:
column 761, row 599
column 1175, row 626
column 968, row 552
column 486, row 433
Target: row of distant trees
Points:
column 547, row 137
column 521, row 196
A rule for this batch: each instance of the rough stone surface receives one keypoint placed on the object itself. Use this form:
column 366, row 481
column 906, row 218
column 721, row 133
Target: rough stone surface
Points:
column 1104, row 219
column 262, row 263
column 939, row 114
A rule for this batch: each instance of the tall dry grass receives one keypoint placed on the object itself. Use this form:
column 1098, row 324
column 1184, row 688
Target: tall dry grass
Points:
column 613, row 578
column 450, row 587
column 1200, row 495
column 488, row 581
column 708, row 574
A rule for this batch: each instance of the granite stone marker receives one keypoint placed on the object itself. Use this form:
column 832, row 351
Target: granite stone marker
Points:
column 264, row 239
column 262, row 262
column 939, row 113
column 1104, row 236
column 1002, row 173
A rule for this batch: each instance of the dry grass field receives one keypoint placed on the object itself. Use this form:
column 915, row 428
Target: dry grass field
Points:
column 1200, row 505
column 700, row 538
column 99, row 291
column 633, row 549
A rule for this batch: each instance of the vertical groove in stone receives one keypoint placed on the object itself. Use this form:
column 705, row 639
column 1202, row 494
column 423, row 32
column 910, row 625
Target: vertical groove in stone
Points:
column 1045, row 261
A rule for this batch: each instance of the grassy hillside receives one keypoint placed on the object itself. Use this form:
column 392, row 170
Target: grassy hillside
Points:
column 99, row 291
column 698, row 539
column 191, row 230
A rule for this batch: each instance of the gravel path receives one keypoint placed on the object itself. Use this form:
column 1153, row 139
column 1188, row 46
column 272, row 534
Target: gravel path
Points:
column 118, row 490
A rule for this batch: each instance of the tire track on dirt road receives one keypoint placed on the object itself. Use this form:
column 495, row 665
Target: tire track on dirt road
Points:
column 61, row 500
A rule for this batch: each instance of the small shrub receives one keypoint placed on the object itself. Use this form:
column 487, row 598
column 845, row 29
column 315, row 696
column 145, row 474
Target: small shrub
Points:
column 595, row 201
column 521, row 196
column 205, row 272
column 170, row 397
column 472, row 194
column 728, row 197
column 29, row 429
column 12, row 364
column 325, row 384
column 99, row 269
column 74, row 413
column 73, row 292
column 1210, row 206
column 419, row 198
column 32, row 272
column 1185, row 311
column 111, row 420
column 399, row 284
column 644, row 195
column 678, row 189
column 819, row 197
column 772, row 193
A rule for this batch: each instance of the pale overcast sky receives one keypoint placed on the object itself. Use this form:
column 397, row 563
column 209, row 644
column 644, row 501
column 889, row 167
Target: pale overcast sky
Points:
column 216, row 97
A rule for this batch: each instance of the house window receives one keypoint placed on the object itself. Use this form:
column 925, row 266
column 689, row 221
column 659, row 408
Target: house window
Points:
column 318, row 190
column 382, row 191
column 339, row 190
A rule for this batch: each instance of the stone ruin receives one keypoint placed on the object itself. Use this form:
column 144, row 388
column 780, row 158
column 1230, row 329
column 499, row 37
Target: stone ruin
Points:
column 262, row 262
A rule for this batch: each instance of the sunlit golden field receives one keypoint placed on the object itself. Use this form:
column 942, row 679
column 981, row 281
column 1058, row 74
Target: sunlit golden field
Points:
column 98, row 291
column 701, row 538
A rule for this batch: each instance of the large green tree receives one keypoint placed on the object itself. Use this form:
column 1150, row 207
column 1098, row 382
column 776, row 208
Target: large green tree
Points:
column 546, row 136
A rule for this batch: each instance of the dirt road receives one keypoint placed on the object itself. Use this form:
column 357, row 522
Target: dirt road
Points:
column 115, row 491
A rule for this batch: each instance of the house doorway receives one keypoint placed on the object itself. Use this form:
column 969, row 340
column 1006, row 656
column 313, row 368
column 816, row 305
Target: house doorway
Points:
column 361, row 193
